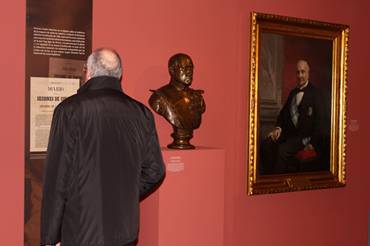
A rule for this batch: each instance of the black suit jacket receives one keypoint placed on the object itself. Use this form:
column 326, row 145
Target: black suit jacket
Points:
column 310, row 120
column 103, row 156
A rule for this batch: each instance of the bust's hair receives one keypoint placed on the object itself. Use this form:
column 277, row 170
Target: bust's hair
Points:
column 174, row 60
column 104, row 62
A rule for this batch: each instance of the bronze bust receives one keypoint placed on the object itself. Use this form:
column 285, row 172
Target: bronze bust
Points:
column 180, row 105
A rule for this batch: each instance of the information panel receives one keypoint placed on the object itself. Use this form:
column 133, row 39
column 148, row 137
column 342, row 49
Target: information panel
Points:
column 58, row 42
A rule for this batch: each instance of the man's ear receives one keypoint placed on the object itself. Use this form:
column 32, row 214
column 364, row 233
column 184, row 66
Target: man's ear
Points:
column 88, row 75
column 171, row 69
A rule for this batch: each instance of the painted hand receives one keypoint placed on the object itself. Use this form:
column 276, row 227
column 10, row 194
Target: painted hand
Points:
column 275, row 134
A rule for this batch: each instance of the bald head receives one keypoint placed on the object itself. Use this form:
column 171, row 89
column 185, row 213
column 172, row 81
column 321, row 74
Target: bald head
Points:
column 104, row 62
column 303, row 63
column 303, row 72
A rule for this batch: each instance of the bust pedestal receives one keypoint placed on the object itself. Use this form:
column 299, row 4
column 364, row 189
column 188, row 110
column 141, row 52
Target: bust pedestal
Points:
column 188, row 209
column 181, row 139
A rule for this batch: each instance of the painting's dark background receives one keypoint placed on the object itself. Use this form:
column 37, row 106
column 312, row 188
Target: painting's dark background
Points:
column 277, row 77
column 318, row 52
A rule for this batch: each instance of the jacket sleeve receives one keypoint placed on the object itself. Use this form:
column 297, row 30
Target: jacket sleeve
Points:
column 56, row 176
column 318, row 123
column 284, row 114
column 152, row 167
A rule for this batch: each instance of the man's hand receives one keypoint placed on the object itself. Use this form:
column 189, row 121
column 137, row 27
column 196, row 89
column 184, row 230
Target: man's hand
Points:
column 275, row 134
column 309, row 147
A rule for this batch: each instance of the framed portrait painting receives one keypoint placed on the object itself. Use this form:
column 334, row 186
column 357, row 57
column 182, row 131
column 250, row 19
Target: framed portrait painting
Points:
column 297, row 113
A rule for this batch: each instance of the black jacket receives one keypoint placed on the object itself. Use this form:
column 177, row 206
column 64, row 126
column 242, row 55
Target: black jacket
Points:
column 103, row 156
column 311, row 116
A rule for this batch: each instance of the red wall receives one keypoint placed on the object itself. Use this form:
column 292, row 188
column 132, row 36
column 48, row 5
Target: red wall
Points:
column 12, row 93
column 215, row 33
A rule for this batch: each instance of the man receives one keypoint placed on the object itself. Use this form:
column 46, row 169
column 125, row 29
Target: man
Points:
column 103, row 157
column 180, row 105
column 299, row 125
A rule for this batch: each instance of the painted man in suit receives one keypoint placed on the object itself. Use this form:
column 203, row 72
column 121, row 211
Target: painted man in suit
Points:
column 298, row 126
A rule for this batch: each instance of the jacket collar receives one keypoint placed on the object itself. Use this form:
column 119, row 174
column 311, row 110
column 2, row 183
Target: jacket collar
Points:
column 303, row 86
column 307, row 86
column 101, row 82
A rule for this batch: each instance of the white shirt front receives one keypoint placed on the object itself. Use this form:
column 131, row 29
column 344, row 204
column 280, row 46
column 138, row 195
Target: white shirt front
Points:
column 299, row 95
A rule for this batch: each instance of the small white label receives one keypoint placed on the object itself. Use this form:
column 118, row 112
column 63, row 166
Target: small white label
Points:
column 354, row 126
column 175, row 164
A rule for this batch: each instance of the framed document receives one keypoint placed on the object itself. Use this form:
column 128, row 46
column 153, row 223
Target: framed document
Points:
column 45, row 95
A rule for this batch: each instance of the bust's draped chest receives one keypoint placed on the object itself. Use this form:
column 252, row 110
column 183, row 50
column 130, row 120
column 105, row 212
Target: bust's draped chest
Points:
column 185, row 107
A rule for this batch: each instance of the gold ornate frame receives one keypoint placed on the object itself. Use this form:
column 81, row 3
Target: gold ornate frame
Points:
column 338, row 35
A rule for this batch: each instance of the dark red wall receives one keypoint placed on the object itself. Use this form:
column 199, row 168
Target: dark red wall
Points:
column 321, row 217
column 215, row 33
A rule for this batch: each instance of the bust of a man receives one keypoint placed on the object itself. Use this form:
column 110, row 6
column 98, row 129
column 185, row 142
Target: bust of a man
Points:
column 180, row 105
